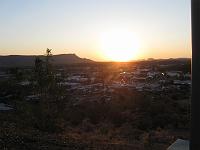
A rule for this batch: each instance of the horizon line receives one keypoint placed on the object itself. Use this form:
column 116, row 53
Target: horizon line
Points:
column 141, row 59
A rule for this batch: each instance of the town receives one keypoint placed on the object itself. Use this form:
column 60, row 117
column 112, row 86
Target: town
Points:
column 145, row 102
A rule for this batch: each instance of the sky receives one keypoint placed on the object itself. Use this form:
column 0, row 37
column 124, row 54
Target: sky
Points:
column 160, row 27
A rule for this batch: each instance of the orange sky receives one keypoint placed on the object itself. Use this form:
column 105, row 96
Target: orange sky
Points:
column 142, row 28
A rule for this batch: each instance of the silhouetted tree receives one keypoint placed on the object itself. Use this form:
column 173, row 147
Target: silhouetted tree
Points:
column 44, row 76
column 39, row 73
column 50, row 94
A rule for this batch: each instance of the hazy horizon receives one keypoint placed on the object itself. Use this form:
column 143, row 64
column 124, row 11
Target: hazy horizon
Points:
column 100, row 60
column 97, row 30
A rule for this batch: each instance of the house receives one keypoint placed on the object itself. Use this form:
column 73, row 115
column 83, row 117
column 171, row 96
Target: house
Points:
column 173, row 73
column 5, row 107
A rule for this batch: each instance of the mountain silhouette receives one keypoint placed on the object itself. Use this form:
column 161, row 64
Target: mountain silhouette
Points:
column 23, row 60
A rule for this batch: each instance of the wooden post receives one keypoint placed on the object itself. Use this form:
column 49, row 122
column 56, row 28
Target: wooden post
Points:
column 195, row 104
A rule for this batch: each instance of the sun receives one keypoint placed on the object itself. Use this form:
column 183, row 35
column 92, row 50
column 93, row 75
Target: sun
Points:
column 119, row 45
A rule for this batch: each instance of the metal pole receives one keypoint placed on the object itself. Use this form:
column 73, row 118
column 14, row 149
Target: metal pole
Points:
column 195, row 104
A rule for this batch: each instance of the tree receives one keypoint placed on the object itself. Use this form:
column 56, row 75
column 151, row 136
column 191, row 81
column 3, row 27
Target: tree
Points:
column 49, row 111
column 39, row 72
column 44, row 76
column 48, row 61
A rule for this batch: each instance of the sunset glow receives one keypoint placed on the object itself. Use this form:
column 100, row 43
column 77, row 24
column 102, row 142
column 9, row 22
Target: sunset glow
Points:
column 97, row 74
column 105, row 30
column 119, row 45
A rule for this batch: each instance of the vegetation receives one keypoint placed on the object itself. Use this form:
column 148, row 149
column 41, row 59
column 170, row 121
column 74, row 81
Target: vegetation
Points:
column 130, row 120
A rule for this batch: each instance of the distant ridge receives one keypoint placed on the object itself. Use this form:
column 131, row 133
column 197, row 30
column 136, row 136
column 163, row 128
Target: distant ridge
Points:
column 28, row 60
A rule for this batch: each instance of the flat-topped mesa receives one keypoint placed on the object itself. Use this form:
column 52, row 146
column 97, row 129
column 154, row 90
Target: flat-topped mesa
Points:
column 23, row 60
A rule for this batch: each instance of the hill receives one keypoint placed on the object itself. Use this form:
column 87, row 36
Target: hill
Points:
column 23, row 60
